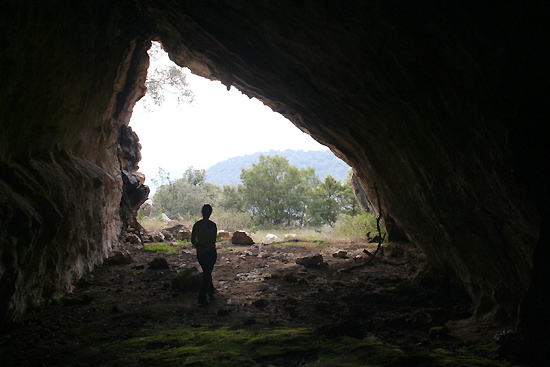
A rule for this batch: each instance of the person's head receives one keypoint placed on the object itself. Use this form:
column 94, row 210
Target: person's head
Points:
column 206, row 211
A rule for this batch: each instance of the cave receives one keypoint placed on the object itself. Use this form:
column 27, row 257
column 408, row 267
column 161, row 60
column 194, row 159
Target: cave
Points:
column 438, row 107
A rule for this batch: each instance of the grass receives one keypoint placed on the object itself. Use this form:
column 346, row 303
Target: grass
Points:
column 167, row 247
column 302, row 234
column 209, row 345
column 152, row 224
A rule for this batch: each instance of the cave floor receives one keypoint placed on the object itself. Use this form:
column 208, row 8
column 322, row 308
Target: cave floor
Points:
column 268, row 311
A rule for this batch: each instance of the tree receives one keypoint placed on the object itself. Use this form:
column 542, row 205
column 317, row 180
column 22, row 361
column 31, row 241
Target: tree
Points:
column 327, row 202
column 167, row 80
column 350, row 205
column 231, row 198
column 275, row 192
column 195, row 177
column 186, row 195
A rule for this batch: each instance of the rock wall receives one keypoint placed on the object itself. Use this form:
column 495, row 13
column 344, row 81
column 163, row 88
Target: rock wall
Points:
column 70, row 75
column 437, row 108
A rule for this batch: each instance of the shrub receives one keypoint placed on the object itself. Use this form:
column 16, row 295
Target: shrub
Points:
column 231, row 221
column 356, row 227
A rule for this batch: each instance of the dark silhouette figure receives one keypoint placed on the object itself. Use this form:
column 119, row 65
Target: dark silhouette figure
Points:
column 203, row 238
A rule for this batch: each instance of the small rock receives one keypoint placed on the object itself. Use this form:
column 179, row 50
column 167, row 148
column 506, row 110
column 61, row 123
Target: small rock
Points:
column 158, row 263
column 340, row 254
column 119, row 258
column 310, row 260
column 271, row 237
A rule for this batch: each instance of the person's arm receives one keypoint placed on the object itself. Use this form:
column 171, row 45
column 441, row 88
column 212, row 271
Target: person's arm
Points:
column 194, row 235
column 213, row 232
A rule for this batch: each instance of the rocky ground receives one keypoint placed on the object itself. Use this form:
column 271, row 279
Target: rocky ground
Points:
column 396, row 297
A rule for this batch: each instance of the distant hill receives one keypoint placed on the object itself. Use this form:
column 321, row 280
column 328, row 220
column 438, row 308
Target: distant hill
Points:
column 324, row 162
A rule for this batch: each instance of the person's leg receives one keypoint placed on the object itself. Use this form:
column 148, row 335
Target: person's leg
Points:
column 213, row 259
column 206, row 261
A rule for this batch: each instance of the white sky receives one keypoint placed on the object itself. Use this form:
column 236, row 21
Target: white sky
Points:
column 218, row 125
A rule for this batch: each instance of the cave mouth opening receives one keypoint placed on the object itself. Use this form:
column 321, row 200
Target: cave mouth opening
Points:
column 185, row 120
column 268, row 281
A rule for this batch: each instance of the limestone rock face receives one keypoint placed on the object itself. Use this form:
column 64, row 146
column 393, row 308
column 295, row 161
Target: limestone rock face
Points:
column 70, row 78
column 437, row 109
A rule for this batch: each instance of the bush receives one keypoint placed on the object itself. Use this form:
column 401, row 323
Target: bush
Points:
column 231, row 221
column 356, row 227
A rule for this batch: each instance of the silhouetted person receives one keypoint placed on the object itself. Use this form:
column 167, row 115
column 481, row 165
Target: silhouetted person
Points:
column 203, row 238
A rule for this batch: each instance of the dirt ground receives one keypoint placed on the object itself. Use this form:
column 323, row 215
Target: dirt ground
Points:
column 258, row 286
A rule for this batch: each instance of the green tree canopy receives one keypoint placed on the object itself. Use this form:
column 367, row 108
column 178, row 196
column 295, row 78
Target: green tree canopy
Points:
column 184, row 196
column 275, row 192
column 167, row 80
column 231, row 198
column 327, row 201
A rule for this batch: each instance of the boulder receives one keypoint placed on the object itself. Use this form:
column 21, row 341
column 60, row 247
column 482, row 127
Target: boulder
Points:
column 241, row 238
column 133, row 239
column 224, row 234
column 158, row 263
column 146, row 208
column 119, row 258
column 184, row 234
column 178, row 218
column 168, row 237
column 177, row 232
column 157, row 236
column 310, row 260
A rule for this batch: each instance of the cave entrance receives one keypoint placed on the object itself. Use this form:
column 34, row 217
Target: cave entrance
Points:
column 200, row 123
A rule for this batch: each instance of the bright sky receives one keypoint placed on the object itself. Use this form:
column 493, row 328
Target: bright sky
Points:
column 218, row 125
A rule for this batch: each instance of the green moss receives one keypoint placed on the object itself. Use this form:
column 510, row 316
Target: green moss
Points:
column 225, row 346
column 209, row 346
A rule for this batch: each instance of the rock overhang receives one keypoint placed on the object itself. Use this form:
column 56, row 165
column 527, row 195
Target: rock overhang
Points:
column 427, row 104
